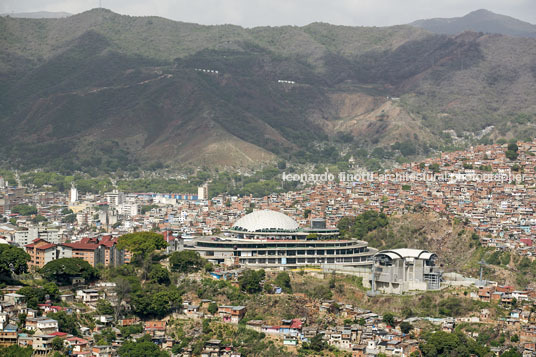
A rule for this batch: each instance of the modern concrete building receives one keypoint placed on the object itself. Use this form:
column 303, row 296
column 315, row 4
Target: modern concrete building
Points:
column 269, row 239
column 399, row 270
column 114, row 198
column 202, row 192
column 24, row 237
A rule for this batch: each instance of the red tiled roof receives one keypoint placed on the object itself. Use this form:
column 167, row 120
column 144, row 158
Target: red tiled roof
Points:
column 82, row 246
column 77, row 340
column 296, row 324
column 107, row 244
column 59, row 334
column 44, row 246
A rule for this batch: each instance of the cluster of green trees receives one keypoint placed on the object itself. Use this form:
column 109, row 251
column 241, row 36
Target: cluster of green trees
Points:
column 66, row 322
column 142, row 347
column 24, row 210
column 282, row 280
column 442, row 343
column 61, row 183
column 259, row 184
column 512, row 151
column 361, row 225
column 145, row 283
column 210, row 289
column 315, row 345
column 63, row 270
column 499, row 258
column 157, row 185
column 526, row 270
column 16, row 351
column 13, row 260
column 251, row 281
column 141, row 244
column 155, row 300
column 188, row 261
column 38, row 295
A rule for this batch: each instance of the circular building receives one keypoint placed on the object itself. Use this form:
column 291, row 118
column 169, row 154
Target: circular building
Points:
column 266, row 220
column 269, row 239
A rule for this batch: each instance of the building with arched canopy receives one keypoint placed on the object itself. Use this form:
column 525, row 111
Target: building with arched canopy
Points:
column 399, row 270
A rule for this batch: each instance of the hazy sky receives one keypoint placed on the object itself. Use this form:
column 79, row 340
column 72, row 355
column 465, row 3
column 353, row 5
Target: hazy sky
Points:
column 286, row 12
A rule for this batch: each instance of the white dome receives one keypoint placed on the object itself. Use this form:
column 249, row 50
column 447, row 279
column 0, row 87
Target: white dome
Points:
column 266, row 220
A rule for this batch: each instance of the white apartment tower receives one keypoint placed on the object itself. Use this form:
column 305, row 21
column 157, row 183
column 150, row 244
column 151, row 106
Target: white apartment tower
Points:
column 74, row 194
column 202, row 192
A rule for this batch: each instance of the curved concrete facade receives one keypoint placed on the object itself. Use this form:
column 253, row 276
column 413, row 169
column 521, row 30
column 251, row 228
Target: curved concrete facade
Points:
column 284, row 253
column 268, row 239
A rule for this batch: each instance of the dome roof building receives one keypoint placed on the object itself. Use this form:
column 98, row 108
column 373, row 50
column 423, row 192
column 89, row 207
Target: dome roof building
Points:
column 270, row 239
column 266, row 221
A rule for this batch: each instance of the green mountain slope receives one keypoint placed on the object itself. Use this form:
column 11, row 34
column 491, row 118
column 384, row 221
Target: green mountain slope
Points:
column 101, row 89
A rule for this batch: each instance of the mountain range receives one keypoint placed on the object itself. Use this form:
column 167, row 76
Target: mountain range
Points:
column 479, row 21
column 102, row 89
column 38, row 15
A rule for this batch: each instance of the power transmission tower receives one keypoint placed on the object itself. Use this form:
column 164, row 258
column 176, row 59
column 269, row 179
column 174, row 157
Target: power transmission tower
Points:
column 482, row 263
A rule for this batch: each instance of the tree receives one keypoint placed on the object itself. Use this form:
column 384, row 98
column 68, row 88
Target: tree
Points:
column 156, row 303
column 66, row 211
column 104, row 307
column 186, row 261
column 316, row 344
column 407, row 312
column 123, row 287
column 126, row 331
column 13, row 260
column 70, row 218
column 38, row 219
column 66, row 323
column 64, row 269
column 141, row 244
column 250, row 281
column 213, row 308
column 442, row 343
column 405, row 327
column 22, row 320
column 389, row 319
column 512, row 352
column 512, row 151
column 361, row 225
column 16, row 351
column 143, row 347
column 106, row 337
column 494, row 258
column 434, row 168
column 159, row 274
column 319, row 292
column 57, row 344
column 283, row 281
column 24, row 210
column 34, row 296
column 52, row 290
